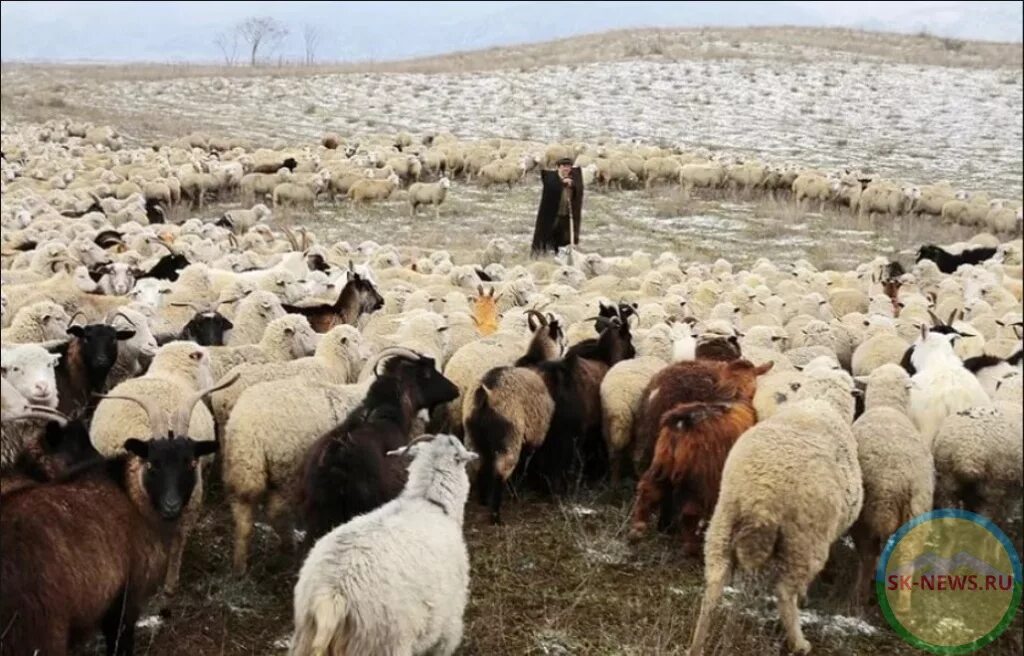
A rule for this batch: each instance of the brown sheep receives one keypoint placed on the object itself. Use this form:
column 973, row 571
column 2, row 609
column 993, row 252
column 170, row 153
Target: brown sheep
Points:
column 86, row 552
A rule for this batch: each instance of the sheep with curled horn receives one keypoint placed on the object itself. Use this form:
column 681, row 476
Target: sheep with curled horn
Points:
column 124, row 516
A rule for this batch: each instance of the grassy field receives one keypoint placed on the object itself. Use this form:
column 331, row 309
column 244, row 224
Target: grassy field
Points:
column 558, row 578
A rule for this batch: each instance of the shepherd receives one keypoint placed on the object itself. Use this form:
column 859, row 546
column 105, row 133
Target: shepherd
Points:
column 561, row 206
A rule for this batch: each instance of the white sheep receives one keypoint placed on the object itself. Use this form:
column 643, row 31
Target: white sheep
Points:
column 428, row 193
column 336, row 361
column 896, row 468
column 395, row 580
column 791, row 487
column 265, row 440
column 28, row 370
column 978, row 460
column 254, row 313
column 285, row 338
column 39, row 322
column 622, row 390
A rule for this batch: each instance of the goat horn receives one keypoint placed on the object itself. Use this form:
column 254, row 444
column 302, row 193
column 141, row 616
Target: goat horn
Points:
column 540, row 317
column 123, row 316
column 161, row 242
column 305, row 238
column 935, row 320
column 393, row 351
column 291, row 238
column 229, row 301
column 39, row 412
column 402, row 450
column 192, row 304
column 181, row 418
column 232, row 240
column 74, row 316
column 157, row 416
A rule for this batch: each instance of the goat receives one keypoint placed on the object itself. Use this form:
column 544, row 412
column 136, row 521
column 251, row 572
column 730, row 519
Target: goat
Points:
column 693, row 441
column 85, row 361
column 346, row 472
column 948, row 262
column 207, row 327
column 358, row 297
column 551, row 407
column 167, row 267
column 120, row 516
column 696, row 381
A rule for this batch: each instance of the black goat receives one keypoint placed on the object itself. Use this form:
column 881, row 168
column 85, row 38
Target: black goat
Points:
column 168, row 266
column 347, row 472
column 86, row 360
column 574, row 383
column 948, row 262
column 206, row 327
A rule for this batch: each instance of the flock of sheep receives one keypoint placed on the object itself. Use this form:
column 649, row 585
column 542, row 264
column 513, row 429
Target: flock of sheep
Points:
column 732, row 395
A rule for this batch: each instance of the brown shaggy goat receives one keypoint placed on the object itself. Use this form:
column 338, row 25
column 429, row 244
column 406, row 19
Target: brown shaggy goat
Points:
column 692, row 446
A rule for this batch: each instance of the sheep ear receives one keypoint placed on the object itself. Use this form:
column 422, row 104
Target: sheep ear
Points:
column 125, row 334
column 924, row 331
column 75, row 331
column 464, row 456
column 764, row 368
column 205, row 447
column 862, row 380
column 137, row 447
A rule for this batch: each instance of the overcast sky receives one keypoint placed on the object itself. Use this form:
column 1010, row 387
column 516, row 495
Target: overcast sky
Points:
column 185, row 31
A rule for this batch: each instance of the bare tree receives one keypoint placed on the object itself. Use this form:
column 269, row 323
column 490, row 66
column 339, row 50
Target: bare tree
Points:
column 227, row 42
column 311, row 37
column 260, row 32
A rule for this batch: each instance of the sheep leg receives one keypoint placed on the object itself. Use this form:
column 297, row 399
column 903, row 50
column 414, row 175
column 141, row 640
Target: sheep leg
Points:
column 649, row 492
column 716, row 573
column 497, row 492
column 437, row 212
column 451, row 636
column 867, row 549
column 615, row 464
column 689, row 522
column 484, row 480
column 790, row 615
column 119, row 626
column 242, row 513
column 278, row 513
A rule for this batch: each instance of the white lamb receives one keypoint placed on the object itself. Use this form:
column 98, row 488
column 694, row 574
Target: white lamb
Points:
column 395, row 580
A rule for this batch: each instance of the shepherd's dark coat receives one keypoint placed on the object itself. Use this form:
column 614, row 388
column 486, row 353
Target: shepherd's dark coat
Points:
column 548, row 233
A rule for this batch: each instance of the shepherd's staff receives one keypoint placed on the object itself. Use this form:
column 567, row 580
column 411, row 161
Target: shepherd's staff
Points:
column 572, row 231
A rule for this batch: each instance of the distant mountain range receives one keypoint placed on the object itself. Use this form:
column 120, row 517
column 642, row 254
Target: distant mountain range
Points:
column 358, row 31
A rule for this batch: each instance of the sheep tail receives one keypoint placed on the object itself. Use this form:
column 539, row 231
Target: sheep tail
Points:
column 322, row 631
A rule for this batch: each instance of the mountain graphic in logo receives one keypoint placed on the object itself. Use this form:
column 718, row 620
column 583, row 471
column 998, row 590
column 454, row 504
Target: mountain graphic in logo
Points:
column 933, row 563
